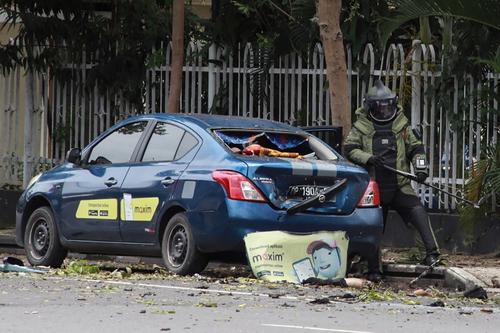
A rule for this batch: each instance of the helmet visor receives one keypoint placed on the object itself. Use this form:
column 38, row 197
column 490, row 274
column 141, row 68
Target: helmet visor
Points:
column 383, row 110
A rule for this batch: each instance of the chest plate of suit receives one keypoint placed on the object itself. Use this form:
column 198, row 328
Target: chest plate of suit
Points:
column 384, row 144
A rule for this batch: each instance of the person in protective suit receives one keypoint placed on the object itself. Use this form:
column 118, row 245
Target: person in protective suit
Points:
column 382, row 135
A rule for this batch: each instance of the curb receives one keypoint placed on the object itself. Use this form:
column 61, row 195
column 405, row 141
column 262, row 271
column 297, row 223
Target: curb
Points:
column 448, row 277
column 462, row 280
column 7, row 240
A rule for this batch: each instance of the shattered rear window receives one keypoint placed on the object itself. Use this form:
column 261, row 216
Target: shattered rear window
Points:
column 275, row 144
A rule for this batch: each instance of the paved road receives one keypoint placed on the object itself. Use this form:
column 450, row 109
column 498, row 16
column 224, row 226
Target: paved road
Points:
column 75, row 304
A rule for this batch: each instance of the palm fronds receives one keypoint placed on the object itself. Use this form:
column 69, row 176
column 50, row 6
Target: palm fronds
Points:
column 484, row 177
column 485, row 12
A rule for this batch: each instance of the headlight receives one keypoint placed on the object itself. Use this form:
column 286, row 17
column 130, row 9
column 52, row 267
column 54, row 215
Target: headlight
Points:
column 33, row 180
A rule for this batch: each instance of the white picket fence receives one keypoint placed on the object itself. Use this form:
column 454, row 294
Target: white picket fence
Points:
column 222, row 81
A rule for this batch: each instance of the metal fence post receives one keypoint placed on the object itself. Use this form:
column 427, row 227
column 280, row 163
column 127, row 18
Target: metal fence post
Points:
column 28, row 134
column 416, row 67
column 212, row 54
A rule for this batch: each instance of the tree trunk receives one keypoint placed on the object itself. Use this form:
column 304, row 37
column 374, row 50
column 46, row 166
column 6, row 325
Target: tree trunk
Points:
column 177, row 56
column 328, row 12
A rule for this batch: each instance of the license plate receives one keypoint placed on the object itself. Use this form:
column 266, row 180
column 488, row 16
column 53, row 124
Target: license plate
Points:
column 304, row 191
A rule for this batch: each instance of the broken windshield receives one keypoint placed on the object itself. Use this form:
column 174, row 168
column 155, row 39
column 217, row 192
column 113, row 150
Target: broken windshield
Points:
column 275, row 144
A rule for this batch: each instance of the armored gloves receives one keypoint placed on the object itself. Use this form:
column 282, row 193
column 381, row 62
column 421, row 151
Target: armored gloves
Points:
column 376, row 160
column 421, row 176
column 421, row 167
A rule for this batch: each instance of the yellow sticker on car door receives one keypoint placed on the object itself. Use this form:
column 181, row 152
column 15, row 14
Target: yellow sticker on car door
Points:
column 143, row 209
column 98, row 209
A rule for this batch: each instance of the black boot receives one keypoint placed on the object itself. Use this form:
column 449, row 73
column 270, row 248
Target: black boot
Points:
column 431, row 259
column 374, row 276
column 374, row 273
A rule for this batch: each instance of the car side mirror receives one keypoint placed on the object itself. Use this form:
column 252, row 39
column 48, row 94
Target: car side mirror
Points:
column 74, row 155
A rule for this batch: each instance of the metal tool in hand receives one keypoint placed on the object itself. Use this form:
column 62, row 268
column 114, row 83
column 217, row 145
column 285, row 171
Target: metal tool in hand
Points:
column 413, row 177
column 426, row 271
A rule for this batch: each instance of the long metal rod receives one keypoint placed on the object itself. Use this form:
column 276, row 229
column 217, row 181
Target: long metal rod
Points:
column 413, row 177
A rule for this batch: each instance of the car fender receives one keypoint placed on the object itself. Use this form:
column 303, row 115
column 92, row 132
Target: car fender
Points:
column 24, row 209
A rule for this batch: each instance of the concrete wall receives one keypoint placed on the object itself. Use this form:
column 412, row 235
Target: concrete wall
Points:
column 8, row 200
column 11, row 122
column 202, row 8
column 448, row 232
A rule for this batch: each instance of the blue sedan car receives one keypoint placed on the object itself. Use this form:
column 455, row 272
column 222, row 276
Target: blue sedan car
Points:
column 186, row 186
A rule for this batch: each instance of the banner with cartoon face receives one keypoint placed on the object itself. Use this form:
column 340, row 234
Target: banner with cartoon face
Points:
column 281, row 256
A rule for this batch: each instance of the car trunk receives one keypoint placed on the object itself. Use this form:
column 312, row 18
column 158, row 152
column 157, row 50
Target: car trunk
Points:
column 292, row 167
column 287, row 182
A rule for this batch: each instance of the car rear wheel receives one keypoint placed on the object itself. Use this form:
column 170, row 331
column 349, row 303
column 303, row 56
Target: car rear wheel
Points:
column 179, row 247
column 41, row 239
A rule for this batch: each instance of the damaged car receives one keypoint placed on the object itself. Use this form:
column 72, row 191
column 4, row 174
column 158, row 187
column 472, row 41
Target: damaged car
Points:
column 187, row 186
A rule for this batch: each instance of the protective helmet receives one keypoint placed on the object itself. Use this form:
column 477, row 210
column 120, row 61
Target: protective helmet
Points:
column 381, row 103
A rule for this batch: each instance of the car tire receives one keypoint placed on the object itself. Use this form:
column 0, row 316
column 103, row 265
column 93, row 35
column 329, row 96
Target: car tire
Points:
column 178, row 247
column 41, row 239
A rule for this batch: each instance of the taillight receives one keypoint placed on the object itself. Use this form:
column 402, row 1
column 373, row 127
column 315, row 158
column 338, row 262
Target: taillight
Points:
column 371, row 197
column 237, row 186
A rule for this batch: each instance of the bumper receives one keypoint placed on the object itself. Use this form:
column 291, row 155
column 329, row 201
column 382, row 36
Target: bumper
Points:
column 224, row 229
column 19, row 221
column 19, row 231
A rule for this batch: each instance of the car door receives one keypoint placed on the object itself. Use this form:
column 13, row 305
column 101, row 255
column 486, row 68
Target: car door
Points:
column 91, row 191
column 151, row 181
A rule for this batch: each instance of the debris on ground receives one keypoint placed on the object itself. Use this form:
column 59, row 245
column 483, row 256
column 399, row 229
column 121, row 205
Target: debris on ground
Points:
column 464, row 312
column 231, row 277
column 321, row 300
column 6, row 268
column 374, row 295
column 437, row 303
column 207, row 305
column 477, row 292
column 15, row 265
column 422, row 293
column 13, row 261
column 321, row 282
column 341, row 282
column 81, row 267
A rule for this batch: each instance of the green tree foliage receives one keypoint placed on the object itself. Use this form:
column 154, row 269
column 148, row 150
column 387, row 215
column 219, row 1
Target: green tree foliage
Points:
column 279, row 27
column 115, row 37
column 291, row 24
column 484, row 12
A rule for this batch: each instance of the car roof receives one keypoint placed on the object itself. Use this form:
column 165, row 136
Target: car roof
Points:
column 215, row 121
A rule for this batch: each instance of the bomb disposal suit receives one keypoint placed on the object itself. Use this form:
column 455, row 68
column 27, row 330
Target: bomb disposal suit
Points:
column 382, row 135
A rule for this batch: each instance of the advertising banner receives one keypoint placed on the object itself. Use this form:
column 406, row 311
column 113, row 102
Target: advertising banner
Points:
column 280, row 256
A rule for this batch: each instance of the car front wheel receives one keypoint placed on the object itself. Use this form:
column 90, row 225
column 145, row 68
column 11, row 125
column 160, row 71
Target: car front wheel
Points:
column 179, row 247
column 41, row 239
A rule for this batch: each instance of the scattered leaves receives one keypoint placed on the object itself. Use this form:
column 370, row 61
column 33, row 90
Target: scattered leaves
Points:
column 161, row 311
column 81, row 267
column 207, row 305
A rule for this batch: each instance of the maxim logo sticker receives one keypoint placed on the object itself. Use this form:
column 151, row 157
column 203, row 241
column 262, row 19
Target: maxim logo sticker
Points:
column 143, row 210
column 140, row 209
column 268, row 257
